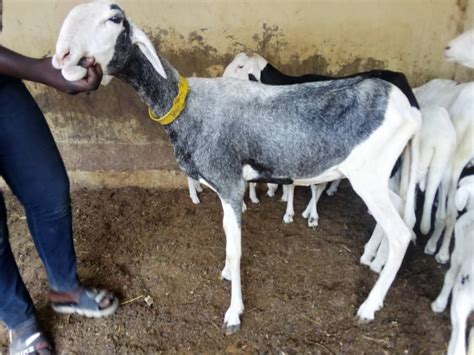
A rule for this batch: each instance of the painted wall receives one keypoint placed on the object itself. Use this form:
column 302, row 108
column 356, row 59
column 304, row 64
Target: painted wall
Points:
column 109, row 130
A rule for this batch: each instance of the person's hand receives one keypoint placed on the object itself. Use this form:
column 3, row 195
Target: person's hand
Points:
column 54, row 78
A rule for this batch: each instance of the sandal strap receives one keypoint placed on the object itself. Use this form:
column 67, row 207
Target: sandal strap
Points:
column 86, row 301
column 101, row 295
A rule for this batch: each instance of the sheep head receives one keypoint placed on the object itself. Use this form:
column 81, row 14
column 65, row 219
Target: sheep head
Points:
column 245, row 65
column 101, row 30
column 461, row 49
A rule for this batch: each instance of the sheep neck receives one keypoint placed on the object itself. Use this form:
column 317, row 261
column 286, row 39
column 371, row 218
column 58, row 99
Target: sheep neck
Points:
column 154, row 90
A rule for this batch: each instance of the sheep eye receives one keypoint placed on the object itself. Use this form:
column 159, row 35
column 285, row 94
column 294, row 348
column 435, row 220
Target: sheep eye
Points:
column 240, row 66
column 116, row 19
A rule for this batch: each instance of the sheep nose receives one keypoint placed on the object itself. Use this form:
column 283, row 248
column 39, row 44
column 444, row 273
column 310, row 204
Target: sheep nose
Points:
column 63, row 55
column 447, row 47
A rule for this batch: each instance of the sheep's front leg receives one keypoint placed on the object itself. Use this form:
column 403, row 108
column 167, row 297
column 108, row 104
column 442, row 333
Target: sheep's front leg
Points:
column 313, row 219
column 333, row 188
column 290, row 211
column 232, row 228
column 461, row 307
column 311, row 203
column 193, row 189
column 439, row 305
column 271, row 189
column 253, row 192
column 311, row 211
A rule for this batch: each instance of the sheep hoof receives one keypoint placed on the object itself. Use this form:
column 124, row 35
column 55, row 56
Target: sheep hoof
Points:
column 288, row 218
column 442, row 258
column 313, row 222
column 225, row 275
column 376, row 267
column 196, row 201
column 255, row 200
column 366, row 259
column 429, row 250
column 438, row 307
column 362, row 321
column 231, row 329
column 366, row 312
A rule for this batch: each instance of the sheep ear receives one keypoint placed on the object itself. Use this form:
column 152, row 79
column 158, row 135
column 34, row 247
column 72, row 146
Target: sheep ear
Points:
column 145, row 45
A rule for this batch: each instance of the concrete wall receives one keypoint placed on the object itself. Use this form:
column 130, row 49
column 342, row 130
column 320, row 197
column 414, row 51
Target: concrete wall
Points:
column 106, row 134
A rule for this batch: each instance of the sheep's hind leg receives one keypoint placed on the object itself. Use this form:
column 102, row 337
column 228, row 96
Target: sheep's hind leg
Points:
column 375, row 193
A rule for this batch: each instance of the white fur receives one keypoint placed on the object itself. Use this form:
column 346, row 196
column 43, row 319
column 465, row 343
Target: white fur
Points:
column 458, row 99
column 437, row 147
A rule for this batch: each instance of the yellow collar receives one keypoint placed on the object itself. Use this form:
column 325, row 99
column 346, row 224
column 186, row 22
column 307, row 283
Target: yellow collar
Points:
column 179, row 103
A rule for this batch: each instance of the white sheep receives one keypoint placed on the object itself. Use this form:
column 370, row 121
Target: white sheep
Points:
column 458, row 99
column 460, row 280
column 461, row 49
column 218, row 140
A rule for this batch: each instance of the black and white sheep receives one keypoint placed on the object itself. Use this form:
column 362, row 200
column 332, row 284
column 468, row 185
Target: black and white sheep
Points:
column 354, row 128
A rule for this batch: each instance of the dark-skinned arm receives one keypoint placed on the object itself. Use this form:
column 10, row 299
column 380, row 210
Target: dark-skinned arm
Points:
column 42, row 71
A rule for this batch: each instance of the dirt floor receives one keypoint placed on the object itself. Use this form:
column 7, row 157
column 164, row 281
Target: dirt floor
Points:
column 301, row 287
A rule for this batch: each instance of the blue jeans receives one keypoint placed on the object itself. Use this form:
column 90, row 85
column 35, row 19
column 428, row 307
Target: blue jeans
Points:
column 33, row 169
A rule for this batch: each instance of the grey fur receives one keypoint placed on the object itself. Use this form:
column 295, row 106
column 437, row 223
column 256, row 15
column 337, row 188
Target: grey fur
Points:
column 224, row 126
